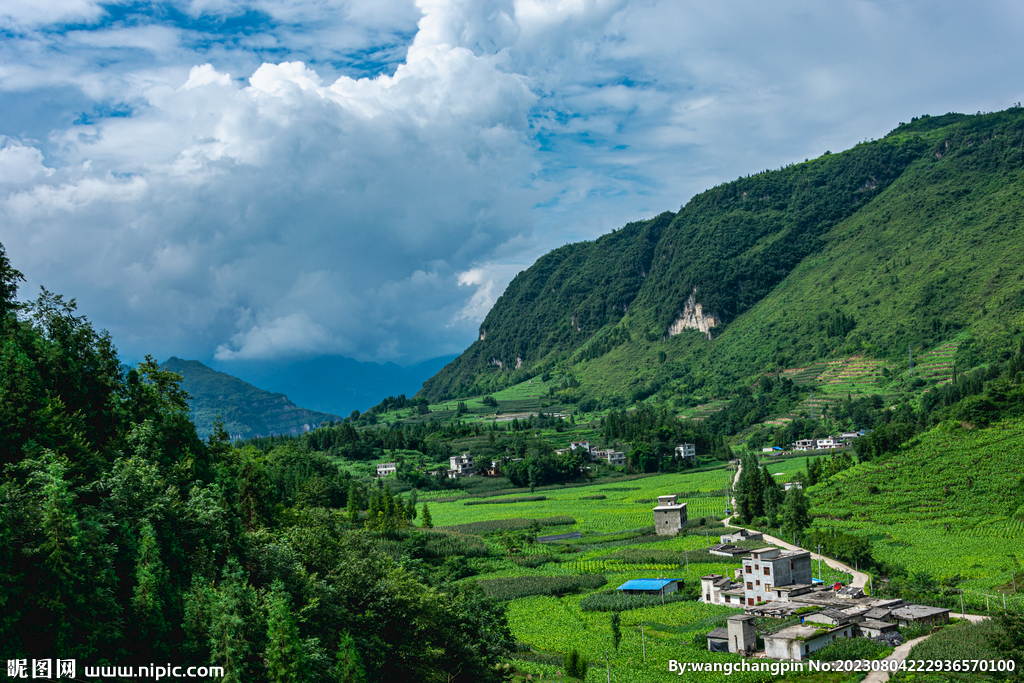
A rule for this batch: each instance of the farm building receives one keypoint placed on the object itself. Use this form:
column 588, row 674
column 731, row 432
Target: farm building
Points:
column 726, row 550
column 669, row 516
column 650, row 586
column 796, row 642
column 743, row 535
column 386, row 468
column 907, row 615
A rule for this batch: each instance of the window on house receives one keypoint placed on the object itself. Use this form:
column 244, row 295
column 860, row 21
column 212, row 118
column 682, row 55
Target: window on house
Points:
column 749, row 570
column 767, row 571
column 750, row 586
column 750, row 602
column 758, row 582
column 790, row 566
column 707, row 597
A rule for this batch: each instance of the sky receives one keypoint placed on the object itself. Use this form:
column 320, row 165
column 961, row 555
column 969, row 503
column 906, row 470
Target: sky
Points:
column 267, row 180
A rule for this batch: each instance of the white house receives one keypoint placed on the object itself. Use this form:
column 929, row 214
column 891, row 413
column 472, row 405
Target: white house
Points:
column 386, row 468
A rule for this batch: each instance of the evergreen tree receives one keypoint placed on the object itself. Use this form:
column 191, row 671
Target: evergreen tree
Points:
column 616, row 630
column 286, row 661
column 428, row 523
column 229, row 639
column 150, row 587
column 348, row 666
column 796, row 512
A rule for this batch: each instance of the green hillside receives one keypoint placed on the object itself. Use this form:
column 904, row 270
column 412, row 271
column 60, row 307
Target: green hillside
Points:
column 912, row 241
column 950, row 504
column 247, row 411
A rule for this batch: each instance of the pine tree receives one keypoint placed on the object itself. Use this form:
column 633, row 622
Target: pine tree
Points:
column 229, row 645
column 150, row 584
column 616, row 630
column 353, row 503
column 410, row 507
column 348, row 666
column 428, row 523
column 286, row 661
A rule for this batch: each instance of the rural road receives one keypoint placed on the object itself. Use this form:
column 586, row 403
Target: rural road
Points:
column 860, row 579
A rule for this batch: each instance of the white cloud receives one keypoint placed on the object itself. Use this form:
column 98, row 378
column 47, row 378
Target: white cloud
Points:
column 20, row 163
column 252, row 191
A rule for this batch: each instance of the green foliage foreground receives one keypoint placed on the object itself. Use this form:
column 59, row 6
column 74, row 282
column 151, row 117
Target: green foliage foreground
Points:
column 125, row 540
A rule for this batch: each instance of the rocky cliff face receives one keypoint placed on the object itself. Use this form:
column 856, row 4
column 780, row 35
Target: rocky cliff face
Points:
column 694, row 318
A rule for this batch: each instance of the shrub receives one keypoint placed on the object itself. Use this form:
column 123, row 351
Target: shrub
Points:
column 524, row 586
column 512, row 524
column 502, row 501
column 614, row 601
column 851, row 649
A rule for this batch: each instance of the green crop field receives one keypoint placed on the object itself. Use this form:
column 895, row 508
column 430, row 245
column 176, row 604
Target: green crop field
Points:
column 942, row 506
column 618, row 511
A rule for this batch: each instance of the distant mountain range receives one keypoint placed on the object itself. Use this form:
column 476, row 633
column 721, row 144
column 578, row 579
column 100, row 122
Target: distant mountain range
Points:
column 331, row 386
column 335, row 384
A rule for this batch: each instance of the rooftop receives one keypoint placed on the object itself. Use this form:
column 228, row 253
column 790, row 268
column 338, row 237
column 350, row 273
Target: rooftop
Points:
column 719, row 634
column 917, row 611
column 645, row 584
column 801, row 631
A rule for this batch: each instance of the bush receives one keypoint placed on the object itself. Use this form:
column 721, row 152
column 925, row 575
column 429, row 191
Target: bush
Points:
column 614, row 601
column 597, row 497
column 511, row 524
column 851, row 649
column 521, row 499
column 575, row 665
column 524, row 586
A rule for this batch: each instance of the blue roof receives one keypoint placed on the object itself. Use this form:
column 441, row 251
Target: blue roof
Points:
column 645, row 584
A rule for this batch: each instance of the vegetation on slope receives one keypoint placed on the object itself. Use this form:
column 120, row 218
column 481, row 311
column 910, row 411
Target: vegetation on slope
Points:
column 245, row 410
column 911, row 240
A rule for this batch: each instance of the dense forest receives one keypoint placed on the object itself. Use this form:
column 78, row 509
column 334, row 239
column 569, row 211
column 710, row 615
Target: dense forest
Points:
column 126, row 540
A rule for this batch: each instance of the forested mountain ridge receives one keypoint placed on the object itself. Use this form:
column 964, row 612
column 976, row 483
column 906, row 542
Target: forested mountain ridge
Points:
column 245, row 410
column 910, row 240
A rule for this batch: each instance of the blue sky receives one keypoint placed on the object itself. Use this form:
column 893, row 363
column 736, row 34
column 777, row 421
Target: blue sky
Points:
column 273, row 179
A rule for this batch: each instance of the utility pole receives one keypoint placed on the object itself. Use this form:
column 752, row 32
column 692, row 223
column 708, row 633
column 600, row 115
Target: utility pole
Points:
column 819, row 562
column 643, row 638
column 812, row 404
column 963, row 612
column 608, row 666
column 1014, row 578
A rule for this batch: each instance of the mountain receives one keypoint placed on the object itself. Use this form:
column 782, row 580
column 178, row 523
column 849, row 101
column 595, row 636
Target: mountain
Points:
column 247, row 411
column 335, row 384
column 902, row 243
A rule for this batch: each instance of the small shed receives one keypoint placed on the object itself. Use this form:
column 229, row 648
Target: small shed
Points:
column 650, row 586
column 718, row 640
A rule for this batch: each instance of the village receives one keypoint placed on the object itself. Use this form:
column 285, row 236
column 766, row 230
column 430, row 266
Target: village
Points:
column 772, row 582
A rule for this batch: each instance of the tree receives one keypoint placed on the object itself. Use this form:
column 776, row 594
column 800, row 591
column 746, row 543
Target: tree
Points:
column 286, row 661
column 616, row 630
column 9, row 279
column 1009, row 640
column 796, row 515
column 348, row 667
column 428, row 523
column 150, row 587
